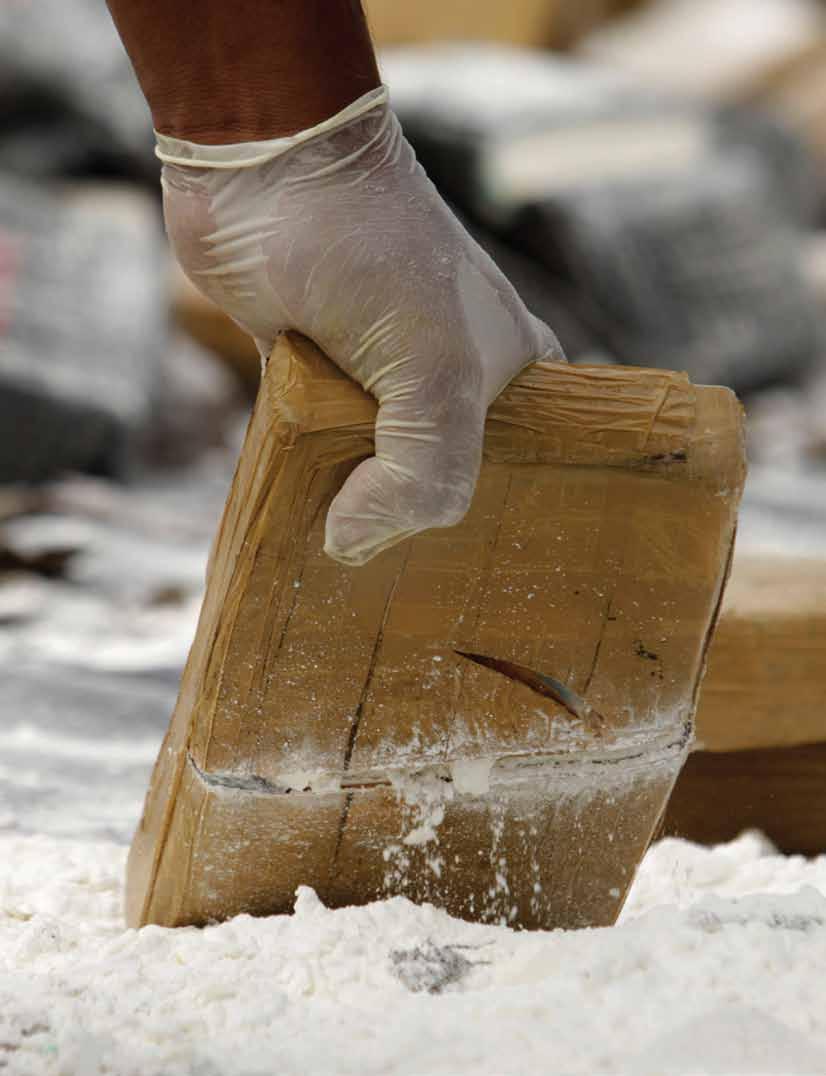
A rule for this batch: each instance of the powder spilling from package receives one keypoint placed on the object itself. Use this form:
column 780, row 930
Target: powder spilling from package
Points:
column 716, row 966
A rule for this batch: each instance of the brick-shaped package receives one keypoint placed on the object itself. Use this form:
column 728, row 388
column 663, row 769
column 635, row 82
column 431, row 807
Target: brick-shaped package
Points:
column 327, row 733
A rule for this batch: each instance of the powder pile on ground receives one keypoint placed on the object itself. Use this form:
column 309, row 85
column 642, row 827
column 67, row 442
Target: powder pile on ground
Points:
column 716, row 967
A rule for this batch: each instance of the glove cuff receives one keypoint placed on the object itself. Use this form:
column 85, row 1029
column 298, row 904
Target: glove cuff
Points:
column 246, row 154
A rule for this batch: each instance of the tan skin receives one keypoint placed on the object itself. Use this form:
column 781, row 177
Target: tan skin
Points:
column 221, row 71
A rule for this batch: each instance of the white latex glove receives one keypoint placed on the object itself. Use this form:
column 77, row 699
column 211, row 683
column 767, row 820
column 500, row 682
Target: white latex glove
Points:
column 338, row 233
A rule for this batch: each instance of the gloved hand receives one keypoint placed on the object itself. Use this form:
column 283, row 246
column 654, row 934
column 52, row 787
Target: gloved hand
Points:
column 338, row 233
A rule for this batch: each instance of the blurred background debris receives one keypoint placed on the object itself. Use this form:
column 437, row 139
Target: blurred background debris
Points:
column 671, row 228
column 69, row 103
column 83, row 326
column 651, row 175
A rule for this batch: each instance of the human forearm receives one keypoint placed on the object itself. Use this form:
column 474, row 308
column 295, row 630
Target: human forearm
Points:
column 216, row 72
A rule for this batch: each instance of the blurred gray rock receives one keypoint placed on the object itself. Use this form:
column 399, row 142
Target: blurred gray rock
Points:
column 197, row 406
column 69, row 101
column 671, row 232
column 83, row 325
column 695, row 272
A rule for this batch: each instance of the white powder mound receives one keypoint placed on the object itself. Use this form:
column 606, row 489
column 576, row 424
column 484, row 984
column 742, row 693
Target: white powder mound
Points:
column 716, row 967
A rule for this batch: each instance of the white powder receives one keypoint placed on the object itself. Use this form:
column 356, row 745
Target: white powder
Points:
column 472, row 776
column 716, row 967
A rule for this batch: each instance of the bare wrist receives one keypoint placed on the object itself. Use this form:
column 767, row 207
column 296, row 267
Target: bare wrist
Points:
column 252, row 70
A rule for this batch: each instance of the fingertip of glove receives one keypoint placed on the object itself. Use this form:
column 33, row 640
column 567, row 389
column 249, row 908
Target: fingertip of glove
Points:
column 354, row 546
column 350, row 558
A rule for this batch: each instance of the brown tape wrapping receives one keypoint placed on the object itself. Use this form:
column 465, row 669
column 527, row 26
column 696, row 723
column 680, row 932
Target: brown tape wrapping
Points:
column 760, row 749
column 327, row 734
column 766, row 682
column 780, row 791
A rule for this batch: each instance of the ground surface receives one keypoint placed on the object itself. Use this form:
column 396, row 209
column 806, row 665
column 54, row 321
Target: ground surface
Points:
column 700, row 977
column 716, row 966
